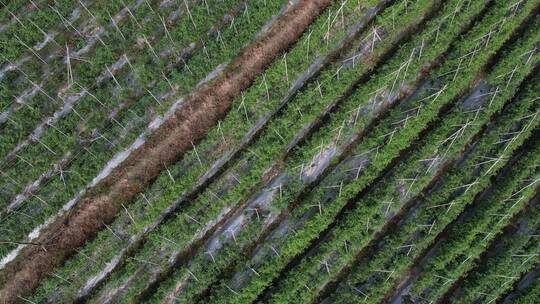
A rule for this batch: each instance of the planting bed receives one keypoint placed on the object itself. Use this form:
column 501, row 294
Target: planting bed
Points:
column 269, row 151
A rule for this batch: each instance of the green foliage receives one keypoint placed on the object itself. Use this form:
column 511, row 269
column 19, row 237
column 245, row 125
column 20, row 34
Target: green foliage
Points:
column 469, row 238
column 384, row 130
column 307, row 223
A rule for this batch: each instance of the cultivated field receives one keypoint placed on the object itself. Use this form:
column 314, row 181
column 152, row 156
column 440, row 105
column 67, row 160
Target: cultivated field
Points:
column 270, row 151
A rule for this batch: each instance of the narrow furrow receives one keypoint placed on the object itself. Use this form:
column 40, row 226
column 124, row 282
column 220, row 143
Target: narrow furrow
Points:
column 44, row 93
column 380, row 276
column 67, row 96
column 132, row 81
column 82, row 29
column 12, row 9
column 38, row 24
column 211, row 162
column 301, row 113
column 269, row 151
column 33, row 24
column 55, row 193
column 89, row 56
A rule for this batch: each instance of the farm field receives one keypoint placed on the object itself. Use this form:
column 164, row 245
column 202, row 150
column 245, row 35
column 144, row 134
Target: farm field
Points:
column 270, row 151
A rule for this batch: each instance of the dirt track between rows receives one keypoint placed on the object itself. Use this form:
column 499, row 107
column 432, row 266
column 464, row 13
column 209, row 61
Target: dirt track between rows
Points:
column 202, row 109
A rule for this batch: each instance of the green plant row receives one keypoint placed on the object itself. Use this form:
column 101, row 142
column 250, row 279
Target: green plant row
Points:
column 30, row 62
column 465, row 260
column 31, row 24
column 139, row 73
column 14, row 7
column 119, row 133
column 272, row 143
column 38, row 64
column 409, row 177
column 69, row 135
column 469, row 238
column 315, row 211
column 396, row 251
column 56, row 193
column 81, row 31
column 228, row 257
column 248, row 112
column 38, row 18
column 134, row 77
column 380, row 275
column 531, row 294
column 360, row 96
column 507, row 261
column 24, row 117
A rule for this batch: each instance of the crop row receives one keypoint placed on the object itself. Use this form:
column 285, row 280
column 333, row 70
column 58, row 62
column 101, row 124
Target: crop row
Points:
column 134, row 77
column 528, row 294
column 31, row 27
column 467, row 239
column 40, row 23
column 270, row 144
column 12, row 8
column 505, row 262
column 257, row 105
column 367, row 290
column 89, row 24
column 88, row 164
column 57, row 135
column 209, row 228
column 201, row 110
column 304, row 112
column 57, row 138
column 94, row 104
column 395, row 252
column 442, row 280
column 259, row 201
column 314, row 213
column 392, row 193
column 327, row 177
column 53, row 139
column 70, row 136
column 28, row 78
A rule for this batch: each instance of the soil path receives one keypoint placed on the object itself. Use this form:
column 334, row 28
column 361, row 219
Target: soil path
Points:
column 201, row 110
